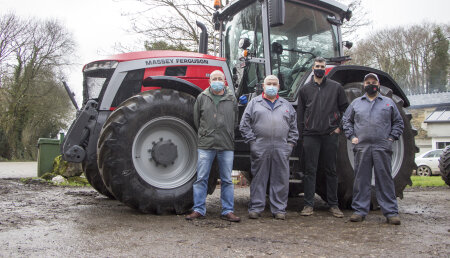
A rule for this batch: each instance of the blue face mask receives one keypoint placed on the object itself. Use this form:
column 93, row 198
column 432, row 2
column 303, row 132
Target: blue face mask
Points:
column 271, row 91
column 217, row 86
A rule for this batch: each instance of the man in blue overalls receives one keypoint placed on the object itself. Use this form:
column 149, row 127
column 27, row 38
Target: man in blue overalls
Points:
column 372, row 122
column 269, row 125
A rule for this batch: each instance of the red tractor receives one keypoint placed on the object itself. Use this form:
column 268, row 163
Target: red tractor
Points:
column 135, row 134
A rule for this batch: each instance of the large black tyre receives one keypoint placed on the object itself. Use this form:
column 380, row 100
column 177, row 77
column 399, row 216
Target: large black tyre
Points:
column 136, row 155
column 402, row 159
column 444, row 165
column 92, row 174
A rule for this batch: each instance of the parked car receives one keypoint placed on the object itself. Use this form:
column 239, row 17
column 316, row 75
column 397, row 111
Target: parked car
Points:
column 428, row 163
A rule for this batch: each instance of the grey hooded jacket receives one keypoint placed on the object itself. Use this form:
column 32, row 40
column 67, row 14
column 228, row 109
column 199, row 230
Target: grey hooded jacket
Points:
column 275, row 127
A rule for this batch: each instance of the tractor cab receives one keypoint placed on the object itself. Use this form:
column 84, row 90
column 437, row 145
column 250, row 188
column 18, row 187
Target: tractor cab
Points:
column 278, row 37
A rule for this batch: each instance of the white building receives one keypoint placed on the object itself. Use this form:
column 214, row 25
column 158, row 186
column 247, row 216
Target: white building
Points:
column 438, row 127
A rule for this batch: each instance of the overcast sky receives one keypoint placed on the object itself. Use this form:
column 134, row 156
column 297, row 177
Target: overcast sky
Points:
column 99, row 25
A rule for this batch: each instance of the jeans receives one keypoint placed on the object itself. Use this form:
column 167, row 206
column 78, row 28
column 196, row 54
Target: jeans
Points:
column 204, row 163
column 320, row 149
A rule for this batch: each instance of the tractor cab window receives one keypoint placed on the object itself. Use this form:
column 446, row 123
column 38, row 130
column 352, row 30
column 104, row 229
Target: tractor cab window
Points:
column 306, row 34
column 245, row 24
column 96, row 77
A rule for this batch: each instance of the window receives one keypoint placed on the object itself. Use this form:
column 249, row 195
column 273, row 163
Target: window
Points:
column 130, row 86
column 442, row 145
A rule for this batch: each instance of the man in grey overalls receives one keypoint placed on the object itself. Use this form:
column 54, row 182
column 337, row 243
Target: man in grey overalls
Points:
column 372, row 122
column 269, row 125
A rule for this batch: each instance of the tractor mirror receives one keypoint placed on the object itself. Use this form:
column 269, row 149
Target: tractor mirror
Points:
column 348, row 44
column 276, row 12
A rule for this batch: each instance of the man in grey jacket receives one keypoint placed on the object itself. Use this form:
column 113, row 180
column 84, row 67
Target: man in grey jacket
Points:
column 372, row 122
column 216, row 117
column 269, row 125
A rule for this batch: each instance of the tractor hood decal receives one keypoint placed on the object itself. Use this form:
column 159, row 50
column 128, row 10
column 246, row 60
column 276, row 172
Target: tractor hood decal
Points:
column 176, row 61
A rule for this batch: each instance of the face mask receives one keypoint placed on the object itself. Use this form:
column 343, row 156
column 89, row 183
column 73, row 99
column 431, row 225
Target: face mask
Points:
column 319, row 73
column 371, row 89
column 271, row 91
column 217, row 86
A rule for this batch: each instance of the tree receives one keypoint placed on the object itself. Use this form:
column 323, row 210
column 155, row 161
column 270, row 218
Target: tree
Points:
column 173, row 21
column 439, row 63
column 32, row 101
column 359, row 19
column 403, row 52
column 162, row 45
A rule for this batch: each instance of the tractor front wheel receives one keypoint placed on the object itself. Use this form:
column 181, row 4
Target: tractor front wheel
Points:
column 148, row 152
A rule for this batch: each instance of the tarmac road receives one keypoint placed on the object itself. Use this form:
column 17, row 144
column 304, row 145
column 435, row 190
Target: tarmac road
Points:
column 18, row 169
column 37, row 219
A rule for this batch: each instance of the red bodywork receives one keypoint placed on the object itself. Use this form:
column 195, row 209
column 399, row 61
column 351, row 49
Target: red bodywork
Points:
column 196, row 74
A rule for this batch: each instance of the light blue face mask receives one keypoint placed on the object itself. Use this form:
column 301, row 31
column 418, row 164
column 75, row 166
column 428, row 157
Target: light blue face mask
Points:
column 271, row 91
column 217, row 86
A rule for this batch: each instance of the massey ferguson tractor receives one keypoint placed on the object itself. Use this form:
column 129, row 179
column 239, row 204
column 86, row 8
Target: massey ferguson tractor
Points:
column 135, row 134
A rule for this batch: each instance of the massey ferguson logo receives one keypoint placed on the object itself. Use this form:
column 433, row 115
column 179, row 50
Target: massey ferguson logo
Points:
column 164, row 61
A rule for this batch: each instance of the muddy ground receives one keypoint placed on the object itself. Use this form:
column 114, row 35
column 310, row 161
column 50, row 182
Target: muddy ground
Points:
column 42, row 220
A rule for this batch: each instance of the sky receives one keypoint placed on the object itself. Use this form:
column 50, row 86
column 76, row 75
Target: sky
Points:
column 99, row 25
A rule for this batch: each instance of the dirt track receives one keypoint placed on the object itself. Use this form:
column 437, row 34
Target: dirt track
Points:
column 42, row 220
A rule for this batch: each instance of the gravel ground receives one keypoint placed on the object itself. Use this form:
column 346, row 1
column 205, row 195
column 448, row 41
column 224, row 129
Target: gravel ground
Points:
column 41, row 220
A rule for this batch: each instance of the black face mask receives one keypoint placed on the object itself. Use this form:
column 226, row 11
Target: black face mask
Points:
column 319, row 73
column 371, row 89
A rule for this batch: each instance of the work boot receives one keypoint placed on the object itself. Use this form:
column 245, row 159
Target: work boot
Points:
column 194, row 215
column 279, row 216
column 253, row 215
column 356, row 218
column 394, row 220
column 307, row 211
column 336, row 212
column 230, row 217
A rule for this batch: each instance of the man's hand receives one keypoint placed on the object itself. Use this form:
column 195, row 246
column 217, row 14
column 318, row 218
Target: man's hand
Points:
column 337, row 131
column 390, row 139
column 355, row 140
column 291, row 144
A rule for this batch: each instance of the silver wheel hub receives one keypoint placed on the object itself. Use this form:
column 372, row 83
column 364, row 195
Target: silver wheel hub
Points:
column 165, row 152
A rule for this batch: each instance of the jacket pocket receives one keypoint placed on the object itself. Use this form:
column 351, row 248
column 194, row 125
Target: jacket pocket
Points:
column 333, row 119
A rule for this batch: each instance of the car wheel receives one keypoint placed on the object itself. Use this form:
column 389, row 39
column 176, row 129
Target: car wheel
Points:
column 423, row 171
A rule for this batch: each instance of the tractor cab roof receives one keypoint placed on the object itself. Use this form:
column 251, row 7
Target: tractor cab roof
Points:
column 342, row 10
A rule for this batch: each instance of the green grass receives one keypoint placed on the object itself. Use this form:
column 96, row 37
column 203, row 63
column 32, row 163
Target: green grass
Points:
column 426, row 181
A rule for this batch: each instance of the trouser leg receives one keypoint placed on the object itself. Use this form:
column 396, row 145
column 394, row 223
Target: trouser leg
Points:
column 260, row 165
column 279, row 179
column 327, row 161
column 225, row 159
column 384, row 184
column 363, row 177
column 205, row 160
column 311, row 150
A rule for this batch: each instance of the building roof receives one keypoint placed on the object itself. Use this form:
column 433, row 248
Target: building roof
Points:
column 429, row 100
column 440, row 115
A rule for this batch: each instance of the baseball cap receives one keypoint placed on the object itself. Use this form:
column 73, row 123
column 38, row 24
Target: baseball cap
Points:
column 374, row 76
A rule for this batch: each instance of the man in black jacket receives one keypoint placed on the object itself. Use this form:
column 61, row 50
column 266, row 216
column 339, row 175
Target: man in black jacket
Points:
column 321, row 103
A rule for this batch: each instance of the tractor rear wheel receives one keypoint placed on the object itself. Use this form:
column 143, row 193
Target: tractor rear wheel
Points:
column 147, row 152
column 444, row 165
column 402, row 158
